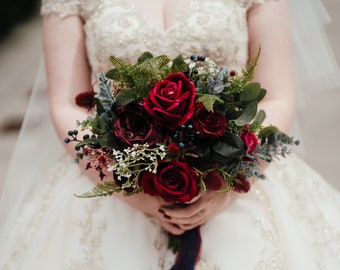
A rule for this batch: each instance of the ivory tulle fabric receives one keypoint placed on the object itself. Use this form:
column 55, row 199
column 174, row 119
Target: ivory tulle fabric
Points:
column 289, row 221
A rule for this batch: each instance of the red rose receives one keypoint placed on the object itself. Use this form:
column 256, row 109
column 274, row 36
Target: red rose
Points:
column 174, row 181
column 250, row 140
column 134, row 125
column 213, row 181
column 241, row 184
column 209, row 124
column 171, row 101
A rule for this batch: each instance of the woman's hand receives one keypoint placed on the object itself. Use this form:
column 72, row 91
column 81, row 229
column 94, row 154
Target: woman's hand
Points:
column 180, row 218
column 152, row 205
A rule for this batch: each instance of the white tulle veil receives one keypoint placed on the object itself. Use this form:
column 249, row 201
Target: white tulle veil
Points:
column 38, row 147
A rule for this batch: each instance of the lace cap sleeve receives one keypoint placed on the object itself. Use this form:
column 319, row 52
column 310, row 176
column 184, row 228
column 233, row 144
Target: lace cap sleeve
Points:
column 248, row 3
column 61, row 7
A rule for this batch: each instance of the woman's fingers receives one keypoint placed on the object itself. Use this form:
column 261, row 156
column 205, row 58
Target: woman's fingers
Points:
column 173, row 228
column 198, row 212
column 184, row 211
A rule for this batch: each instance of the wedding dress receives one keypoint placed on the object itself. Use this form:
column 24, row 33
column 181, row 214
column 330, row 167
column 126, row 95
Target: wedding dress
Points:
column 290, row 220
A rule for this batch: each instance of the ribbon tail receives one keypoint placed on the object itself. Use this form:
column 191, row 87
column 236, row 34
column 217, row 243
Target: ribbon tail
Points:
column 189, row 251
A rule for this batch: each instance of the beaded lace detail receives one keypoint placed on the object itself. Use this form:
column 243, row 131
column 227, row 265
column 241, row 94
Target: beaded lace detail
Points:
column 214, row 28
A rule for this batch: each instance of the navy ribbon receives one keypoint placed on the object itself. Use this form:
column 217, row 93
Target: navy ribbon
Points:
column 189, row 251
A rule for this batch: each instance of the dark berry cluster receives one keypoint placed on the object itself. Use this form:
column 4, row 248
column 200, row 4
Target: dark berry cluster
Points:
column 192, row 75
column 196, row 58
column 185, row 136
column 73, row 138
column 73, row 134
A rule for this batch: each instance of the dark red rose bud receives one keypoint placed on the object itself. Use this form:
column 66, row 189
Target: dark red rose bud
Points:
column 213, row 181
column 174, row 148
column 86, row 99
column 232, row 73
column 241, row 184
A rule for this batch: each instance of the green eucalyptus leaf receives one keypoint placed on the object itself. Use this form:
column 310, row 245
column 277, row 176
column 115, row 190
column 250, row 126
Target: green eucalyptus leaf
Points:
column 260, row 117
column 247, row 115
column 250, row 92
column 230, row 146
column 233, row 114
column 87, row 142
column 107, row 139
column 262, row 94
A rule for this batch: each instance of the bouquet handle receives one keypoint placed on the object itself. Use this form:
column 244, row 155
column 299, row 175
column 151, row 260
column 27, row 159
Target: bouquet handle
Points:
column 189, row 251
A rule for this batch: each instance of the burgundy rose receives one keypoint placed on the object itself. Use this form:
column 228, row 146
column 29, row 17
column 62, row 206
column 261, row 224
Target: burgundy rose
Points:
column 209, row 124
column 175, row 181
column 241, row 184
column 213, row 181
column 171, row 101
column 250, row 140
column 134, row 125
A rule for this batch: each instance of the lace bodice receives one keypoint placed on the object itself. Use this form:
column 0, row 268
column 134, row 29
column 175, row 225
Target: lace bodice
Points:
column 213, row 28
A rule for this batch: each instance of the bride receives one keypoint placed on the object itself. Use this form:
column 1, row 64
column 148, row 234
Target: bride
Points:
column 289, row 221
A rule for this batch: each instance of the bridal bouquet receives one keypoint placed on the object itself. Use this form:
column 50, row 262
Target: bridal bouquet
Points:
column 175, row 127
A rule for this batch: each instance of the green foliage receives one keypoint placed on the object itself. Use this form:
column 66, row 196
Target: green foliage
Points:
column 230, row 146
column 179, row 64
column 102, row 189
column 268, row 131
column 260, row 117
column 136, row 80
column 105, row 98
column 247, row 114
column 240, row 81
column 209, row 100
column 234, row 96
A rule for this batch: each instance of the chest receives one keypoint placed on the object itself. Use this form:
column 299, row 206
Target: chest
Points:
column 126, row 28
column 162, row 13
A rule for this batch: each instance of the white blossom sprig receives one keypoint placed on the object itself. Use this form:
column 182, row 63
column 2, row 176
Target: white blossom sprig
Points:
column 132, row 161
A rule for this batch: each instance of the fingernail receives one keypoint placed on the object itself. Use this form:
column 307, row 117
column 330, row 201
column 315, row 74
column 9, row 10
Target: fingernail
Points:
column 161, row 211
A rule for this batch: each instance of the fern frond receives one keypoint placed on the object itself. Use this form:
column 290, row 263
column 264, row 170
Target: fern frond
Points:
column 209, row 100
column 100, row 190
column 240, row 81
column 248, row 73
column 118, row 63
column 140, row 76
